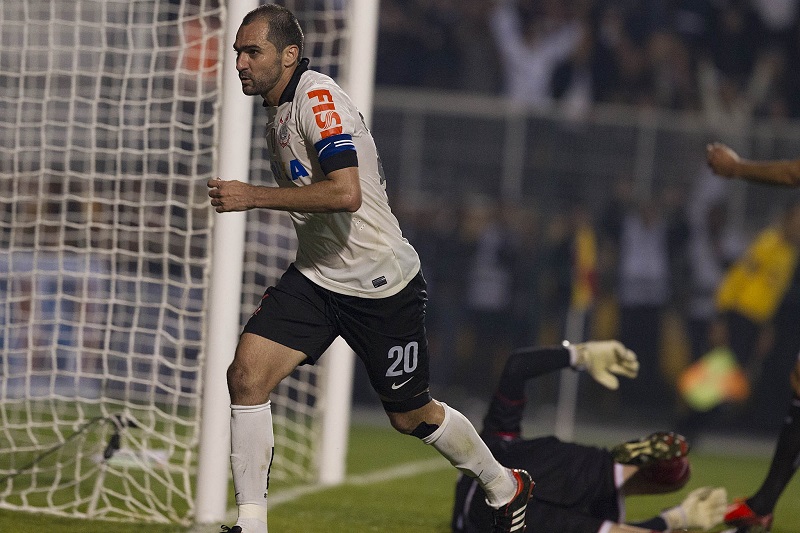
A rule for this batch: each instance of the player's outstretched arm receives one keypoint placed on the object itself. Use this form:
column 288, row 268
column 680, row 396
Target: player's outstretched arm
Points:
column 726, row 162
column 605, row 360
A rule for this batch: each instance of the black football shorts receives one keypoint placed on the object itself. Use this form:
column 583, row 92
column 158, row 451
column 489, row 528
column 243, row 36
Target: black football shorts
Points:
column 387, row 334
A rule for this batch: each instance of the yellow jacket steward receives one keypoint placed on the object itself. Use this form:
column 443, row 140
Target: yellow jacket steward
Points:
column 754, row 286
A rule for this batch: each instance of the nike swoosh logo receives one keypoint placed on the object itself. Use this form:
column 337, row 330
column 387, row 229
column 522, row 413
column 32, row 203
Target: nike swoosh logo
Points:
column 396, row 386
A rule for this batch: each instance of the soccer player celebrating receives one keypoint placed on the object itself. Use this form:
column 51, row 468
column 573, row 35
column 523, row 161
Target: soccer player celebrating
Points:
column 754, row 514
column 354, row 276
column 579, row 489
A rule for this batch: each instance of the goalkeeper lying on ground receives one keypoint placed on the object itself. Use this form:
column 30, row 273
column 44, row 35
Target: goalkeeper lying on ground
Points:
column 580, row 489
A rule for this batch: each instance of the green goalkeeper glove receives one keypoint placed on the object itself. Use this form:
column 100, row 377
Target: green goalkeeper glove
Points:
column 703, row 508
column 604, row 359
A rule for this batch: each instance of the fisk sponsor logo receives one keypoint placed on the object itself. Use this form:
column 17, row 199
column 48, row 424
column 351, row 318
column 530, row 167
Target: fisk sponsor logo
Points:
column 328, row 119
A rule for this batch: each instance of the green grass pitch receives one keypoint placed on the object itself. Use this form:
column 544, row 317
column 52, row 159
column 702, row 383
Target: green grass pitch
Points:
column 420, row 503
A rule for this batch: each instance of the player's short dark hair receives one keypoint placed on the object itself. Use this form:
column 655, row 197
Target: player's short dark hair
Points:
column 284, row 28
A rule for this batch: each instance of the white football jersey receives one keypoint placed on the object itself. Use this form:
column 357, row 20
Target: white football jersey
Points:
column 314, row 127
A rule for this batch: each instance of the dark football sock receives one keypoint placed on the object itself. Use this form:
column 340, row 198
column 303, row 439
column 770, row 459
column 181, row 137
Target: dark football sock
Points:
column 784, row 463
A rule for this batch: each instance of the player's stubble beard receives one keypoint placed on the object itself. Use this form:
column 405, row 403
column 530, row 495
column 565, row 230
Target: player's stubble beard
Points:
column 261, row 85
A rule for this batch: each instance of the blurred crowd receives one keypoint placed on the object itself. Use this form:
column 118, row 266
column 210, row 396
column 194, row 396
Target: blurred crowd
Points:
column 726, row 58
column 671, row 276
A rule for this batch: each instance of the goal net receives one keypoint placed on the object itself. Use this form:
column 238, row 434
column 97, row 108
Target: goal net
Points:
column 109, row 119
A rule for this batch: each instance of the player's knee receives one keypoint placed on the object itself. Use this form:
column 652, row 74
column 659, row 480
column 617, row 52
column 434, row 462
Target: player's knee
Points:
column 236, row 375
column 402, row 422
column 420, row 422
column 421, row 430
column 244, row 385
column 411, row 424
column 406, row 415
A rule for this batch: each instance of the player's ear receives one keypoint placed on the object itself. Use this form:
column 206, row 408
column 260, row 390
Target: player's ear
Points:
column 291, row 55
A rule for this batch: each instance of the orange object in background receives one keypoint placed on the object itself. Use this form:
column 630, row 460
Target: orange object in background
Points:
column 714, row 379
column 201, row 51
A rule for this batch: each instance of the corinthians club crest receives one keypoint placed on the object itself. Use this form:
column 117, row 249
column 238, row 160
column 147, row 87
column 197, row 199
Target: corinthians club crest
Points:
column 283, row 130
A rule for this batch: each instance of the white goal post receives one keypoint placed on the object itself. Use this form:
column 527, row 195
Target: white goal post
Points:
column 111, row 121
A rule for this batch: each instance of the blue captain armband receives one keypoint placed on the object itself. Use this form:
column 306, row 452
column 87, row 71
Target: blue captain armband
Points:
column 335, row 152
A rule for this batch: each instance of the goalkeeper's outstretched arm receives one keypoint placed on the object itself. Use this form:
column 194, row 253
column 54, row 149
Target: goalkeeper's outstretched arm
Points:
column 604, row 360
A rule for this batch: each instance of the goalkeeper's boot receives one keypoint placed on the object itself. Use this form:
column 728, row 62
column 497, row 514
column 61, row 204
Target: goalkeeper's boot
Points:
column 657, row 446
column 234, row 529
column 669, row 474
column 510, row 518
column 740, row 514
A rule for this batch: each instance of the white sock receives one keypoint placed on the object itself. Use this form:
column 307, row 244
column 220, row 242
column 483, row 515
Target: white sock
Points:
column 252, row 443
column 457, row 440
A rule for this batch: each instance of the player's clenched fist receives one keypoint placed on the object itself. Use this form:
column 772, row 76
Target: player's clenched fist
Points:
column 722, row 159
column 227, row 196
